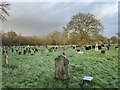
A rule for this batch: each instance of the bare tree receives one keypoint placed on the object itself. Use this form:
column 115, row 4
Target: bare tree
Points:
column 4, row 7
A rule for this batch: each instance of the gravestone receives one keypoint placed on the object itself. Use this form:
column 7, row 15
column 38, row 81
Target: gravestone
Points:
column 29, row 50
column 116, row 47
column 103, row 51
column 93, row 46
column 51, row 49
column 3, row 51
column 12, row 49
column 89, row 47
column 32, row 52
column 36, row 50
column 86, row 48
column 107, row 47
column 24, row 52
column 78, row 50
column 96, row 47
column 102, row 45
column 109, row 41
column 19, row 53
column 16, row 50
column 73, row 47
column 61, row 67
column 6, row 51
column 99, row 47
column 5, row 59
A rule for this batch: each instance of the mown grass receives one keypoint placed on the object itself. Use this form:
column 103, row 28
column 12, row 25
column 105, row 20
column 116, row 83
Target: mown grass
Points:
column 37, row 71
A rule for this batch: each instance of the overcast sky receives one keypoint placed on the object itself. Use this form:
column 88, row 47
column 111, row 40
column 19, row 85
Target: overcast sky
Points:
column 41, row 18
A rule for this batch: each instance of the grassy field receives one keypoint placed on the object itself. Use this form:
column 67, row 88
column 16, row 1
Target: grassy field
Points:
column 31, row 71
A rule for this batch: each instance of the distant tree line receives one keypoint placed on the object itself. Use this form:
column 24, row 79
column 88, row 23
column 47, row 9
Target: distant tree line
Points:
column 55, row 38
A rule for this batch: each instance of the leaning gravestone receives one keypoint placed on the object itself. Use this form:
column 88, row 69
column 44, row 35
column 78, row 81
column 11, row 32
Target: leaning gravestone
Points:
column 61, row 67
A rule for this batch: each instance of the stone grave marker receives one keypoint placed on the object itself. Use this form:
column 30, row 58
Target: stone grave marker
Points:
column 51, row 49
column 24, row 52
column 32, row 52
column 99, row 47
column 61, row 67
column 29, row 50
column 78, row 50
column 16, row 50
column 12, row 49
column 116, row 47
column 96, row 47
column 19, row 53
column 89, row 47
column 103, row 51
column 102, row 45
column 93, row 46
column 5, row 59
column 3, row 51
column 86, row 48
column 107, row 47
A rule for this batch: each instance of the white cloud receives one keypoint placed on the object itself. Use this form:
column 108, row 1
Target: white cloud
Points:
column 106, row 10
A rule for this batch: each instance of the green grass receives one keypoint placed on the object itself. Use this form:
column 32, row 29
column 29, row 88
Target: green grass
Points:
column 37, row 71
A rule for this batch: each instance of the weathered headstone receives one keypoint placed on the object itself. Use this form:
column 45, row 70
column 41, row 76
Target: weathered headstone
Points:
column 36, row 50
column 89, row 47
column 103, row 51
column 78, row 50
column 61, row 67
column 102, row 45
column 12, row 49
column 19, row 53
column 24, row 52
column 93, row 46
column 3, row 51
column 73, row 47
column 116, row 47
column 5, row 59
column 32, row 52
column 99, row 47
column 51, row 49
column 86, row 48
column 16, row 50
column 29, row 50
column 109, row 42
column 96, row 47
column 107, row 47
